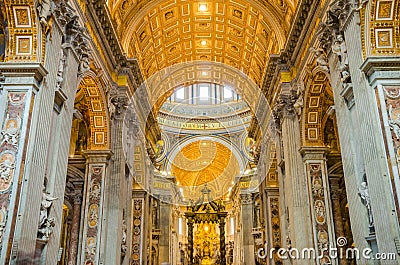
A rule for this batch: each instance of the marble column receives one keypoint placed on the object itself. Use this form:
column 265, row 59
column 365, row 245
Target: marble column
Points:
column 273, row 222
column 164, row 242
column 336, row 194
column 46, row 139
column 115, row 195
column 95, row 183
column 368, row 145
column 139, row 209
column 294, row 181
column 319, row 194
column 74, row 233
column 246, row 208
column 18, row 95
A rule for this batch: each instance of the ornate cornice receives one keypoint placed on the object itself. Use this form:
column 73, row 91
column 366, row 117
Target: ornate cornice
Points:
column 298, row 29
column 375, row 65
column 296, row 37
column 36, row 70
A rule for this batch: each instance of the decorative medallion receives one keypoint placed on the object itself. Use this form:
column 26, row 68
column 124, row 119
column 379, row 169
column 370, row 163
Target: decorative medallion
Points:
column 93, row 211
column 9, row 147
column 319, row 211
column 137, row 231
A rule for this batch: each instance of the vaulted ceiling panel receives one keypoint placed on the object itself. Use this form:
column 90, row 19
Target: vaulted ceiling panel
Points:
column 236, row 32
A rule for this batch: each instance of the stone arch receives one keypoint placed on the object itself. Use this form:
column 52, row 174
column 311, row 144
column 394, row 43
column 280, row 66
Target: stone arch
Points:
column 317, row 103
column 92, row 109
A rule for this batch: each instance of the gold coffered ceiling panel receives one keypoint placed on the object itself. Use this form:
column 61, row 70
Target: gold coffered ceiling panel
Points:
column 236, row 33
column 205, row 162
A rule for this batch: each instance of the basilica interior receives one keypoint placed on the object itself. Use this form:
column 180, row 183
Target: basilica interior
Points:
column 199, row 132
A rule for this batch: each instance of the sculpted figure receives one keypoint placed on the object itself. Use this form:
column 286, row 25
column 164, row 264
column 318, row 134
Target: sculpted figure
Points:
column 11, row 134
column 320, row 58
column 6, row 168
column 46, row 224
column 298, row 105
column 340, row 49
column 394, row 123
column 366, row 200
column 44, row 11
column 47, row 201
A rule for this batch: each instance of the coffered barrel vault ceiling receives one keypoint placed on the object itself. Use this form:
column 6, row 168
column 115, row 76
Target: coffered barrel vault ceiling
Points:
column 238, row 33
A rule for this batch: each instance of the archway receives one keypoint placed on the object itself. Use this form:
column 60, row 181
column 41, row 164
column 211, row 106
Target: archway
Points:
column 89, row 138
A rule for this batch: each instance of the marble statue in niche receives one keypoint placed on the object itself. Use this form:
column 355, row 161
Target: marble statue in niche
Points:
column 46, row 224
column 366, row 200
column 60, row 72
column 340, row 49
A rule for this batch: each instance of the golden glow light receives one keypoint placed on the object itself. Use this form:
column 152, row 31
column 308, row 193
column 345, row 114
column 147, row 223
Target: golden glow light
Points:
column 203, row 42
column 203, row 7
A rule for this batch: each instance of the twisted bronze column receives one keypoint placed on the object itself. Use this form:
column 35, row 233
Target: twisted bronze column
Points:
column 222, row 247
column 190, row 240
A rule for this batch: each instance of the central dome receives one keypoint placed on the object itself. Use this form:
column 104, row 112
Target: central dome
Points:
column 204, row 162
